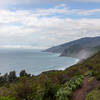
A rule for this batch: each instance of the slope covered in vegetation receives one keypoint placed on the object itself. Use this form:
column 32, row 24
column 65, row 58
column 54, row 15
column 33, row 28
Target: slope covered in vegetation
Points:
column 93, row 95
column 81, row 48
column 51, row 85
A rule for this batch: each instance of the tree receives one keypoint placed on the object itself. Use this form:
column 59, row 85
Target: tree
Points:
column 50, row 91
column 23, row 73
column 12, row 76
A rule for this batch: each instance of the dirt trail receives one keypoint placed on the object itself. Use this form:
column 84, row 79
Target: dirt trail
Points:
column 86, row 87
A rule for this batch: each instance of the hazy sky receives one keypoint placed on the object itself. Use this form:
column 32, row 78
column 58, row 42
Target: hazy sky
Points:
column 45, row 23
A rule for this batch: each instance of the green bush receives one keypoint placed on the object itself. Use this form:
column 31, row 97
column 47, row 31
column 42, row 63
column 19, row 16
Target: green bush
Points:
column 93, row 95
column 90, row 79
column 50, row 91
column 97, row 72
column 65, row 92
column 7, row 98
column 89, row 73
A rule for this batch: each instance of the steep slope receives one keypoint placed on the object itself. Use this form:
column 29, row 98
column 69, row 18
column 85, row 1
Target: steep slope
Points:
column 84, row 66
column 81, row 48
column 80, row 52
column 87, row 86
column 62, row 47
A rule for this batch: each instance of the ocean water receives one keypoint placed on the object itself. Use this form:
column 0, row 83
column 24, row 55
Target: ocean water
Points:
column 33, row 61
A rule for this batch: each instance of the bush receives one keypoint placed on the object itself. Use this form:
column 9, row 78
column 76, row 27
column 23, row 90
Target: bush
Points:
column 50, row 91
column 7, row 98
column 89, row 73
column 12, row 76
column 24, row 91
column 93, row 95
column 97, row 72
column 23, row 73
column 65, row 92
column 98, row 76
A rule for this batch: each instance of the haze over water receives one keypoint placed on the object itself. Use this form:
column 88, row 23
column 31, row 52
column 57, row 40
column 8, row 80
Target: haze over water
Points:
column 33, row 61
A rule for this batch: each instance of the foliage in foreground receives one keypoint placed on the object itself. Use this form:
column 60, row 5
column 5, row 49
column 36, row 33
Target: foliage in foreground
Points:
column 7, row 98
column 93, row 95
column 97, row 72
column 65, row 92
column 50, row 91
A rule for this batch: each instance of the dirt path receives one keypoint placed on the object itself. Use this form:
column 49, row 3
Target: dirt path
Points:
column 86, row 87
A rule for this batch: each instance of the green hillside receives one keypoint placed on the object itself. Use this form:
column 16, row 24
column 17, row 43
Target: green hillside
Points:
column 93, row 95
column 51, row 85
column 81, row 48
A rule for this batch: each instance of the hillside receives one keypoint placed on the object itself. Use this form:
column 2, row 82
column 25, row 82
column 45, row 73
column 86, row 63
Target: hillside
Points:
column 78, row 51
column 53, row 85
column 81, row 48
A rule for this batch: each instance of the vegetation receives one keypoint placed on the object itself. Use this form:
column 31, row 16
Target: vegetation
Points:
column 97, row 72
column 93, row 95
column 51, row 85
column 7, row 98
column 90, row 79
column 8, row 77
column 50, row 91
column 65, row 92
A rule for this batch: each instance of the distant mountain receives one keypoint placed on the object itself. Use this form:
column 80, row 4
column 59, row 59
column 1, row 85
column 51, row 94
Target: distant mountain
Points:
column 81, row 48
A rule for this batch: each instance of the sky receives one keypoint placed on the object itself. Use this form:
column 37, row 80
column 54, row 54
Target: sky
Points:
column 46, row 23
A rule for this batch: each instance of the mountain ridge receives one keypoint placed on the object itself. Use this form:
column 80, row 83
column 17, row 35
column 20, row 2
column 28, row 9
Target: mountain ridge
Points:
column 81, row 48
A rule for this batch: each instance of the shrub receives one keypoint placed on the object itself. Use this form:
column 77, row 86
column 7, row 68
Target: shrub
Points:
column 65, row 92
column 23, row 73
column 50, row 91
column 93, row 95
column 97, row 72
column 89, row 73
column 12, row 76
column 7, row 98
column 24, row 90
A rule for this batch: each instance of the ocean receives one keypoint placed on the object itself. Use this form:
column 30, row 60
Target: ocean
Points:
column 33, row 61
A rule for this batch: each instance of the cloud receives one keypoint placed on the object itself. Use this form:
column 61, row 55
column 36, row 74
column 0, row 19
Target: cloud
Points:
column 88, row 12
column 26, row 28
column 61, row 9
column 43, row 28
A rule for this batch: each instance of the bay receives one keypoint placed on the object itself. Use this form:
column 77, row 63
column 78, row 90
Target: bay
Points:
column 33, row 61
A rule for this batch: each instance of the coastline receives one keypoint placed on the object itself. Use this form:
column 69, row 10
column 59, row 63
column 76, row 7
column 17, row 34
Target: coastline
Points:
column 63, row 68
column 32, row 61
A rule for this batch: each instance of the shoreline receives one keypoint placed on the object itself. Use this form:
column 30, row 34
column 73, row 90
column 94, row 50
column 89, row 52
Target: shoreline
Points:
column 67, row 62
column 77, row 61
